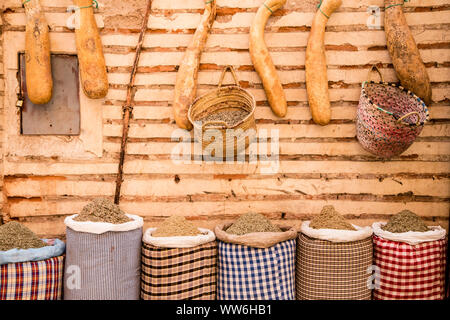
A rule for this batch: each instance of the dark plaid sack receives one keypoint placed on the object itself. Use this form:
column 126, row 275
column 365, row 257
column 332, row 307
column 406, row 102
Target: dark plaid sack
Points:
column 333, row 270
column 36, row 280
column 248, row 273
column 179, row 273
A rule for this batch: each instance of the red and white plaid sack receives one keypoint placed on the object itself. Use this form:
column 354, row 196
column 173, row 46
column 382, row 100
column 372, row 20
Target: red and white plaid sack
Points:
column 412, row 269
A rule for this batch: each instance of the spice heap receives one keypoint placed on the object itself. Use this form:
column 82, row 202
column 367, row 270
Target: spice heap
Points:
column 405, row 221
column 252, row 222
column 13, row 235
column 102, row 210
column 176, row 226
column 329, row 218
column 230, row 117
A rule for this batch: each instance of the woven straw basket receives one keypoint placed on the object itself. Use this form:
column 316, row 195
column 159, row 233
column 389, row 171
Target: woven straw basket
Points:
column 389, row 117
column 224, row 98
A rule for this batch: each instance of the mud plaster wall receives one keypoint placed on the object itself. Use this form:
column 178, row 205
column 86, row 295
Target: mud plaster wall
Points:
column 318, row 165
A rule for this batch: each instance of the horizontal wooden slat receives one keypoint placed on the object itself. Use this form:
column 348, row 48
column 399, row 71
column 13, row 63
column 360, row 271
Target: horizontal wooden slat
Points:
column 334, row 58
column 168, row 167
column 421, row 150
column 285, row 130
column 261, row 113
column 273, row 40
column 293, row 208
column 238, row 187
column 211, row 77
column 243, row 20
column 351, row 94
column 200, row 4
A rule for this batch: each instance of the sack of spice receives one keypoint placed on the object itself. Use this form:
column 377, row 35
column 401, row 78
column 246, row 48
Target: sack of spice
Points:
column 104, row 246
column 177, row 232
column 30, row 268
column 254, row 230
column 256, row 259
column 101, row 216
column 333, row 257
column 179, row 262
column 411, row 258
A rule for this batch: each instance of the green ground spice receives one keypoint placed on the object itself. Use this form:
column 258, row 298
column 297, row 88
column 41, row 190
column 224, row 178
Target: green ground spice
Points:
column 176, row 226
column 405, row 221
column 329, row 218
column 13, row 235
column 102, row 210
column 252, row 222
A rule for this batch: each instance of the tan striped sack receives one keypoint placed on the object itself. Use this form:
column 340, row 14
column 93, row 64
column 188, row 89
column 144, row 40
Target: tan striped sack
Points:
column 327, row 270
column 179, row 273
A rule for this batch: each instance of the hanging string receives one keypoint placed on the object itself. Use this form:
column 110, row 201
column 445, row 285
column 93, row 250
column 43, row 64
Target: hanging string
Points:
column 318, row 6
column 26, row 1
column 93, row 5
column 265, row 5
column 397, row 4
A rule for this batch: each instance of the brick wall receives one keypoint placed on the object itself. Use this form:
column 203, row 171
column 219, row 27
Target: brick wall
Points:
column 319, row 165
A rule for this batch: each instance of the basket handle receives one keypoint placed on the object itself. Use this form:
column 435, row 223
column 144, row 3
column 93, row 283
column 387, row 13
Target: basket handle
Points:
column 233, row 72
column 222, row 123
column 409, row 114
column 374, row 67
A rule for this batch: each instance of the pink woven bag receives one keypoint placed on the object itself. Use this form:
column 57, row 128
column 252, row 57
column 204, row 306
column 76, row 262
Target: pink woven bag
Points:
column 389, row 117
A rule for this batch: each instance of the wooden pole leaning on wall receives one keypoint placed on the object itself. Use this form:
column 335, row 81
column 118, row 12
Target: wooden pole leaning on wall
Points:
column 129, row 104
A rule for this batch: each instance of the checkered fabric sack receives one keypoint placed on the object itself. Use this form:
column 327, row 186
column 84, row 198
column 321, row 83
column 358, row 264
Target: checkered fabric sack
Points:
column 179, row 273
column 410, row 272
column 329, row 270
column 249, row 273
column 36, row 280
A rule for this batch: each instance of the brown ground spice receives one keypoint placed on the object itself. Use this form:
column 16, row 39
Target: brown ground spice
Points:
column 230, row 117
column 176, row 226
column 252, row 222
column 102, row 210
column 329, row 218
column 405, row 221
column 13, row 235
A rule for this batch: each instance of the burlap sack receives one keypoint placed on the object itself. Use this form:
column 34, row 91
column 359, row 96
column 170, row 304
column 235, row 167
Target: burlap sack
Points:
column 256, row 239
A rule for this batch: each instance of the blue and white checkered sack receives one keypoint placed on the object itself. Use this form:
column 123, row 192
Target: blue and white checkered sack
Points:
column 248, row 273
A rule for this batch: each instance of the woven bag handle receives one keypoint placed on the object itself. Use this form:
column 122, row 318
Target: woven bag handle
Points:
column 233, row 72
column 222, row 123
column 409, row 114
column 374, row 67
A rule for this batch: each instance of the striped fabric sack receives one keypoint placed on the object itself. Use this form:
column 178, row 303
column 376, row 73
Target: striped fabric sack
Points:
column 179, row 273
column 36, row 280
column 103, row 263
column 333, row 271
column 333, row 264
column 410, row 272
column 249, row 273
